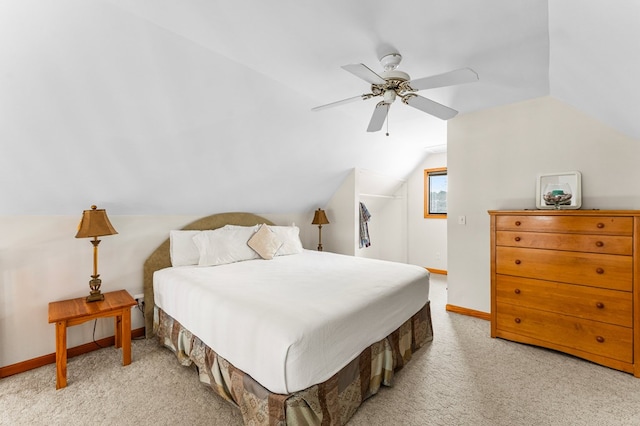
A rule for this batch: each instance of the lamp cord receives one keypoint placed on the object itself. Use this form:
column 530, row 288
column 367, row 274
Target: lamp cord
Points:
column 95, row 321
column 140, row 307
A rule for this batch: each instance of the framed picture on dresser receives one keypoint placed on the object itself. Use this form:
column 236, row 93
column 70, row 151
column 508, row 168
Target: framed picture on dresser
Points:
column 559, row 191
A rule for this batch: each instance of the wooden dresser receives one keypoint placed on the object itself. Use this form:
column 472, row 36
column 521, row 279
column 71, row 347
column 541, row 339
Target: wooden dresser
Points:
column 568, row 280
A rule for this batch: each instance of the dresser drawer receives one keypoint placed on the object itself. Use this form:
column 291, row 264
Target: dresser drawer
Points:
column 602, row 225
column 598, row 270
column 609, row 306
column 611, row 341
column 569, row 242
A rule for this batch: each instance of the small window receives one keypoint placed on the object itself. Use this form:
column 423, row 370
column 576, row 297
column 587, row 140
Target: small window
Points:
column 435, row 193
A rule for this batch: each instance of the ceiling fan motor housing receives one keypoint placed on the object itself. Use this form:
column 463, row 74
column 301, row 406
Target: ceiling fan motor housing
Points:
column 395, row 75
column 391, row 61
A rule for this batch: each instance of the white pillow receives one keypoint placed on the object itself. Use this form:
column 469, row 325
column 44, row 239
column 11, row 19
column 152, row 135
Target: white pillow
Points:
column 290, row 237
column 222, row 246
column 182, row 250
column 265, row 242
column 254, row 228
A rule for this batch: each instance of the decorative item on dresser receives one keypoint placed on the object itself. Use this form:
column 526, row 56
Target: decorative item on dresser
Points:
column 559, row 190
column 568, row 280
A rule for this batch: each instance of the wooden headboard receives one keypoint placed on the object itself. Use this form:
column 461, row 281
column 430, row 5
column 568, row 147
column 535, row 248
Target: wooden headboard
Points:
column 161, row 258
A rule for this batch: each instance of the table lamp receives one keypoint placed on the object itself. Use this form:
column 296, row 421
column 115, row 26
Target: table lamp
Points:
column 320, row 218
column 94, row 224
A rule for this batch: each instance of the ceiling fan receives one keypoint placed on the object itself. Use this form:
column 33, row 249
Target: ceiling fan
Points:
column 393, row 83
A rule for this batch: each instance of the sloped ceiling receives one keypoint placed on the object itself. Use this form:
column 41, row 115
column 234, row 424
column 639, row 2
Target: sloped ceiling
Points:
column 595, row 59
column 195, row 107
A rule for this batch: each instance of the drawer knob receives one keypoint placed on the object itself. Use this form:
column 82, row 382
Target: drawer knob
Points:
column 518, row 261
column 599, row 305
column 599, row 271
column 600, row 339
column 599, row 244
column 516, row 291
column 518, row 223
column 517, row 238
column 517, row 320
column 600, row 225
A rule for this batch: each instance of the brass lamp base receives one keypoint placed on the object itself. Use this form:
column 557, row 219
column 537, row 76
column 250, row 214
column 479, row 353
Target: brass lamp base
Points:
column 95, row 295
column 319, row 237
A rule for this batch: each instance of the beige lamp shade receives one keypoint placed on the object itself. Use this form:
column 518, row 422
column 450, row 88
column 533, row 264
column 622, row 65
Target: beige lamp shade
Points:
column 320, row 218
column 95, row 223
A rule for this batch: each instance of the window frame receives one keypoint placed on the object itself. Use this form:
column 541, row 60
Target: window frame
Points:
column 427, row 192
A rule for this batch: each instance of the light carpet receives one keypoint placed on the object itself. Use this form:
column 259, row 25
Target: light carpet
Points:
column 464, row 377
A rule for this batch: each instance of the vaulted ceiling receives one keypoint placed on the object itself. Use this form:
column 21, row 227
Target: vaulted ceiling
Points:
column 195, row 107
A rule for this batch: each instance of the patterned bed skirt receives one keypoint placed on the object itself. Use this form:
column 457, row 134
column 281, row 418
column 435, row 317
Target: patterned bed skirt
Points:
column 329, row 403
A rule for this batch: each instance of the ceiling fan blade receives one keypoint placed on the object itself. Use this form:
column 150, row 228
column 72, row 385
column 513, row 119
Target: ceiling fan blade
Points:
column 378, row 117
column 344, row 101
column 430, row 107
column 365, row 73
column 463, row 75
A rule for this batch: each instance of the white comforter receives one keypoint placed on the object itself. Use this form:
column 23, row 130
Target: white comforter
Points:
column 293, row 321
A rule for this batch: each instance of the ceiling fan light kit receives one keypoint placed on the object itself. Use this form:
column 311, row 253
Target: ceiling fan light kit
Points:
column 389, row 96
column 392, row 83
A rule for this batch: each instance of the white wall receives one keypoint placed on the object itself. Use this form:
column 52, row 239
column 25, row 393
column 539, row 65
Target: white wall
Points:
column 427, row 241
column 341, row 213
column 41, row 262
column 493, row 159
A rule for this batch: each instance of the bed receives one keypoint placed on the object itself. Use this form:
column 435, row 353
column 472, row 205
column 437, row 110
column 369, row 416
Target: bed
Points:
column 290, row 336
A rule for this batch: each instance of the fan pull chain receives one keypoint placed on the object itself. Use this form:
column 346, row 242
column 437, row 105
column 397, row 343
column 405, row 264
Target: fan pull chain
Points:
column 388, row 119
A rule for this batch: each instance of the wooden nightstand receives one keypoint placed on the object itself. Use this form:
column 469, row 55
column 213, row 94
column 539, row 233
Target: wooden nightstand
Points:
column 72, row 312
